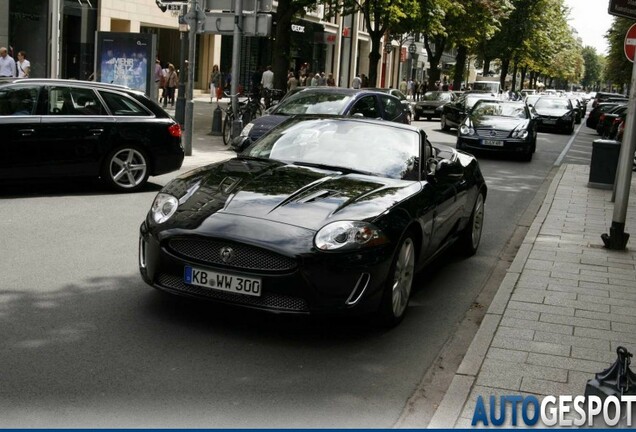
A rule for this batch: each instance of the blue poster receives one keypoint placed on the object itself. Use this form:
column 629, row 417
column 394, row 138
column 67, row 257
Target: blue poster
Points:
column 125, row 59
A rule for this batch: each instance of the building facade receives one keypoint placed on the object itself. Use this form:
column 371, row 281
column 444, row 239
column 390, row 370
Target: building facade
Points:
column 59, row 37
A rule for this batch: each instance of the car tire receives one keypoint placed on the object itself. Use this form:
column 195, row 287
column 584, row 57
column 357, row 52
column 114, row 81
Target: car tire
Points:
column 126, row 169
column 417, row 118
column 570, row 130
column 429, row 118
column 227, row 131
column 471, row 235
column 527, row 155
column 397, row 290
column 443, row 123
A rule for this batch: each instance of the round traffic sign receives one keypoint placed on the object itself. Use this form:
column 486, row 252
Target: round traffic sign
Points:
column 630, row 43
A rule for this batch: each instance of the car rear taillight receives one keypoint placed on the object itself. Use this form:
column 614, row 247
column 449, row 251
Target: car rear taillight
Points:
column 618, row 120
column 601, row 117
column 175, row 130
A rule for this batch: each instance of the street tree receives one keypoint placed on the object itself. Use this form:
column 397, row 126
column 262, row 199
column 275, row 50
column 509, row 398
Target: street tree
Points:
column 618, row 70
column 286, row 11
column 378, row 16
column 593, row 67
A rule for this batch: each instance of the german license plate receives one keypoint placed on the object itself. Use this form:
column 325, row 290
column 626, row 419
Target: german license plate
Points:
column 428, row 111
column 494, row 143
column 222, row 281
column 549, row 121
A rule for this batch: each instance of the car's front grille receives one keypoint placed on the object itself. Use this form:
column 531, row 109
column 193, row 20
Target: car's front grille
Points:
column 230, row 254
column 265, row 301
column 492, row 133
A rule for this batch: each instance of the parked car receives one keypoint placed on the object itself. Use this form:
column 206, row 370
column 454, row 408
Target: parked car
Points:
column 578, row 109
column 68, row 128
column 606, row 120
column 430, row 104
column 453, row 113
column 531, row 99
column 324, row 101
column 607, row 97
column 409, row 106
column 597, row 111
column 555, row 113
column 321, row 215
column 499, row 126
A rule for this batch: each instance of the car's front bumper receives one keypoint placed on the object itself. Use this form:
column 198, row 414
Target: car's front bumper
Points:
column 304, row 282
column 428, row 111
column 510, row 145
column 555, row 123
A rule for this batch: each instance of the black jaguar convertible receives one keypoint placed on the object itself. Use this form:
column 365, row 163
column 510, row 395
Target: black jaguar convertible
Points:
column 321, row 215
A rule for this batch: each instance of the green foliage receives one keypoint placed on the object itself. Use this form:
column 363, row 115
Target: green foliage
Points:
column 593, row 67
column 618, row 70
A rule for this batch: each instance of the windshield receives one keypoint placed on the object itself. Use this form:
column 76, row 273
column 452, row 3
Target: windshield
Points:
column 437, row 96
column 313, row 103
column 472, row 100
column 499, row 109
column 359, row 146
column 553, row 103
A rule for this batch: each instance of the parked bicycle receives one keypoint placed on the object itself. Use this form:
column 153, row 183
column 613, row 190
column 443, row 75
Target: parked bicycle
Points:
column 249, row 109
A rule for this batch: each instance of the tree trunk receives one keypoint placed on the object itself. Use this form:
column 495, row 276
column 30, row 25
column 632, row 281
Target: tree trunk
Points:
column 283, row 18
column 374, row 57
column 433, row 58
column 460, row 66
column 486, row 68
column 513, row 87
column 524, row 71
column 505, row 65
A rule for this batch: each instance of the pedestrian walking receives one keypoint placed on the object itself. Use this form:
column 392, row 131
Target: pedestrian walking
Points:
column 23, row 65
column 315, row 81
column 157, row 75
column 357, row 82
column 331, row 82
column 7, row 64
column 172, row 81
column 267, row 83
column 364, row 81
column 215, row 83
column 292, row 81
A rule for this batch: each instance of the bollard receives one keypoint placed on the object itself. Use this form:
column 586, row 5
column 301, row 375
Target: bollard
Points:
column 617, row 380
column 217, row 121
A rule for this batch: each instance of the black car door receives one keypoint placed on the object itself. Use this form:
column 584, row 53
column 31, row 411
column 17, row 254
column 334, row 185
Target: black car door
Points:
column 20, row 131
column 76, row 128
column 454, row 111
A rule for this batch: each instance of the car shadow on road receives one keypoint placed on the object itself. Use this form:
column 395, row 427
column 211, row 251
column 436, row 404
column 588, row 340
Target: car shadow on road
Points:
column 61, row 187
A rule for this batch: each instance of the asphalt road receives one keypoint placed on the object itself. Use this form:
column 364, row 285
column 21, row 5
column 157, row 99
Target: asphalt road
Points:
column 85, row 343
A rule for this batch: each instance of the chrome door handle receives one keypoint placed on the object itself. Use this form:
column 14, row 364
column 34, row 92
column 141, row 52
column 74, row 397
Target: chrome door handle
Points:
column 26, row 132
column 96, row 132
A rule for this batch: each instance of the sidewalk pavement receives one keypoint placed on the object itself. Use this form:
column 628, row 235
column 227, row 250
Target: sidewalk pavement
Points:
column 564, row 306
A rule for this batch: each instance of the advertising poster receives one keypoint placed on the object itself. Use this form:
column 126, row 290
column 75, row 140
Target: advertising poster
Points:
column 125, row 59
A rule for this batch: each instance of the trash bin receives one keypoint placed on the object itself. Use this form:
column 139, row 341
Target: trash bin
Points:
column 603, row 164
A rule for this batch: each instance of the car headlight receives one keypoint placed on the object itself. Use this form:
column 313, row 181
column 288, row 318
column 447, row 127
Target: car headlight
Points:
column 465, row 130
column 521, row 134
column 163, row 207
column 246, row 130
column 348, row 235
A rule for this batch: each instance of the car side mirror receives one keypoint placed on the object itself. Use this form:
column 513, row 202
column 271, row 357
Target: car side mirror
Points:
column 240, row 143
column 447, row 169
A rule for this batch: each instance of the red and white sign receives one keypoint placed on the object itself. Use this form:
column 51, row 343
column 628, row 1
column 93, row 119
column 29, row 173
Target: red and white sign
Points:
column 630, row 43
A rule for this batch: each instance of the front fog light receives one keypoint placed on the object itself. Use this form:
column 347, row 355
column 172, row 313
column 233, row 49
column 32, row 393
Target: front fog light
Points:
column 163, row 207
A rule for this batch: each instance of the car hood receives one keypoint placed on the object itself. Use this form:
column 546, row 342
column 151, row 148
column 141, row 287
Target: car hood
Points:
column 296, row 195
column 264, row 124
column 499, row 123
column 552, row 112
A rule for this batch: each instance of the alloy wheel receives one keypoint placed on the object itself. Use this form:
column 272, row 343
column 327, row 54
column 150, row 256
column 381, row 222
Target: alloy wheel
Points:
column 127, row 168
column 403, row 277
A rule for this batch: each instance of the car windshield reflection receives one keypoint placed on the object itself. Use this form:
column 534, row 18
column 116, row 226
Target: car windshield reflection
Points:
column 355, row 146
column 499, row 109
column 313, row 103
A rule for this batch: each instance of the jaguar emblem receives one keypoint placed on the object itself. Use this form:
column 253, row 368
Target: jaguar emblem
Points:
column 227, row 254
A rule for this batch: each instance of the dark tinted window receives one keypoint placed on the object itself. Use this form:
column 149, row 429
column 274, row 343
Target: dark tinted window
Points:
column 392, row 107
column 120, row 105
column 74, row 101
column 18, row 100
column 367, row 107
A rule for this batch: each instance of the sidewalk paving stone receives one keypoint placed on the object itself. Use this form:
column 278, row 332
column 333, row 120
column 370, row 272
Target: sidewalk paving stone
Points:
column 565, row 305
